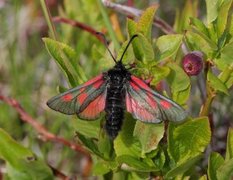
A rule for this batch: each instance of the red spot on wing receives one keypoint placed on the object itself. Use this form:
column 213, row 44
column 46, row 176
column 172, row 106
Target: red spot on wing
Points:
column 93, row 80
column 165, row 104
column 81, row 98
column 94, row 108
column 140, row 83
column 67, row 97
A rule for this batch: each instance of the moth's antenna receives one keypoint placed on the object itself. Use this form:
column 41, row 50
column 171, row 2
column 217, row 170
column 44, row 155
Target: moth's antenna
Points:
column 134, row 36
column 106, row 45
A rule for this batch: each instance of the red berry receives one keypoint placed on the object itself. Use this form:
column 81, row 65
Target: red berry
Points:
column 193, row 63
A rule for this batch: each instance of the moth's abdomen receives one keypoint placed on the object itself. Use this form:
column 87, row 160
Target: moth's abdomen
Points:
column 114, row 110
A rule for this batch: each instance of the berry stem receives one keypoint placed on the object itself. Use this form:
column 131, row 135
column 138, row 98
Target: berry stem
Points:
column 210, row 93
column 207, row 104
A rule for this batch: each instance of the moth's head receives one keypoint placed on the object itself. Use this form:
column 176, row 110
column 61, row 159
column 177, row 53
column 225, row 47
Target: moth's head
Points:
column 118, row 63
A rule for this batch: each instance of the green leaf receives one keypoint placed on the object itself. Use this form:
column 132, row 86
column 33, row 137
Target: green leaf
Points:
column 11, row 151
column 183, row 19
column 179, row 83
column 87, row 128
column 149, row 135
column 21, row 162
column 100, row 168
column 90, row 144
column 204, row 177
column 222, row 16
column 105, row 145
column 200, row 26
column 212, row 10
column 215, row 161
column 226, row 74
column 225, row 60
column 167, row 46
column 231, row 25
column 227, row 54
column 225, row 171
column 160, row 159
column 135, row 164
column 31, row 170
column 178, row 79
column 189, row 139
column 183, row 167
column 65, row 56
column 181, row 97
column 198, row 43
column 129, row 57
column 137, row 176
column 132, row 27
column 229, row 148
column 229, row 82
column 143, row 49
column 211, row 41
column 159, row 73
column 144, row 24
column 216, row 83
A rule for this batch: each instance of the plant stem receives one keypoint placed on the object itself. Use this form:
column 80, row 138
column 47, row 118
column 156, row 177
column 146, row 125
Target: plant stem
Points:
column 48, row 19
column 133, row 12
column 207, row 104
column 108, row 25
column 210, row 93
column 78, row 25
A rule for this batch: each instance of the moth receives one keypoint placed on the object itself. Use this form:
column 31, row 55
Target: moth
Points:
column 114, row 92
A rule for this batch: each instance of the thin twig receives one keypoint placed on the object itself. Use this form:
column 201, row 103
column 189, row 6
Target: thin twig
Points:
column 43, row 131
column 133, row 12
column 210, row 93
column 78, row 24
column 59, row 174
column 1, row 174
column 48, row 18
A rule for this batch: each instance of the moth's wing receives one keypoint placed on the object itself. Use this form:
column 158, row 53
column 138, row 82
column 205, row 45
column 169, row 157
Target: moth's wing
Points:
column 149, row 106
column 87, row 100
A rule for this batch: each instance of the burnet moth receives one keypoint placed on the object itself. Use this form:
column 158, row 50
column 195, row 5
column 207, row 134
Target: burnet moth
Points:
column 114, row 92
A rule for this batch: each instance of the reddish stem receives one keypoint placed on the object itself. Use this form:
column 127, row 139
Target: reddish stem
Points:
column 78, row 25
column 59, row 174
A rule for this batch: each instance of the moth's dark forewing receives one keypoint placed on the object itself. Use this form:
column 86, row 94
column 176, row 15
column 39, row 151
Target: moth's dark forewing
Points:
column 174, row 112
column 66, row 102
column 149, row 106
column 76, row 100
column 94, row 105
